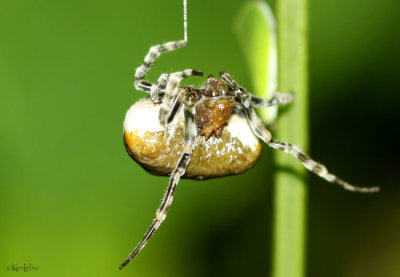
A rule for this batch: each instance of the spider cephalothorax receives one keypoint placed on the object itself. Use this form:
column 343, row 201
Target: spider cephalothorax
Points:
column 200, row 133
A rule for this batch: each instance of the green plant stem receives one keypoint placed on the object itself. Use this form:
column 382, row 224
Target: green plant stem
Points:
column 290, row 185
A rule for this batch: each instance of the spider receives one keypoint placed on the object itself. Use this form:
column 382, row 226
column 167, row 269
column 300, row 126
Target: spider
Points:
column 200, row 133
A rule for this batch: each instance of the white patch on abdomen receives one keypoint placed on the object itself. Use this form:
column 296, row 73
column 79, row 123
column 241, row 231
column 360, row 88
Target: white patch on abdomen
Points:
column 239, row 128
column 143, row 117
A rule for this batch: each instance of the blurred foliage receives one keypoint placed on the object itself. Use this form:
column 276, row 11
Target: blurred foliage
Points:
column 255, row 28
column 74, row 204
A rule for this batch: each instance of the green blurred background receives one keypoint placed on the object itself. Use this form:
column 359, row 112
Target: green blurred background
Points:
column 74, row 204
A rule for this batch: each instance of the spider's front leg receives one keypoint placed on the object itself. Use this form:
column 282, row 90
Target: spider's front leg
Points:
column 180, row 169
column 155, row 90
column 159, row 89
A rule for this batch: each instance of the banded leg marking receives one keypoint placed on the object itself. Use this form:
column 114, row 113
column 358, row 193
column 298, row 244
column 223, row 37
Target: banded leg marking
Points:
column 173, row 94
column 228, row 80
column 254, row 121
column 160, row 216
column 151, row 57
column 316, row 167
column 180, row 169
column 279, row 98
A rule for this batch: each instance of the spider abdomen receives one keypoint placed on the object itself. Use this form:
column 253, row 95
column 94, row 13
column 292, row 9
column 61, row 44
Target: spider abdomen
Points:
column 158, row 149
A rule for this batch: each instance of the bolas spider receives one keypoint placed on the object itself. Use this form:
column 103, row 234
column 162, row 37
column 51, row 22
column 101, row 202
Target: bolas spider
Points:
column 200, row 133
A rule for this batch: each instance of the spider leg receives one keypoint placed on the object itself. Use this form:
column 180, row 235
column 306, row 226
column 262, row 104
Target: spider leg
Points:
column 256, row 125
column 151, row 57
column 174, row 94
column 226, row 77
column 180, row 169
column 174, row 106
column 316, row 167
column 259, row 130
column 179, row 98
column 157, row 90
column 279, row 98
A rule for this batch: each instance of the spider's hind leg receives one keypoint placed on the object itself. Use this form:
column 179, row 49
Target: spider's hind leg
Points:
column 259, row 130
column 180, row 169
column 316, row 167
column 279, row 98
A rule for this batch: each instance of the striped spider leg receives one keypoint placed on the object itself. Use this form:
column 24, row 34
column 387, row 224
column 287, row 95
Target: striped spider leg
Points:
column 167, row 91
column 166, row 82
column 249, row 102
column 316, row 167
column 180, row 169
